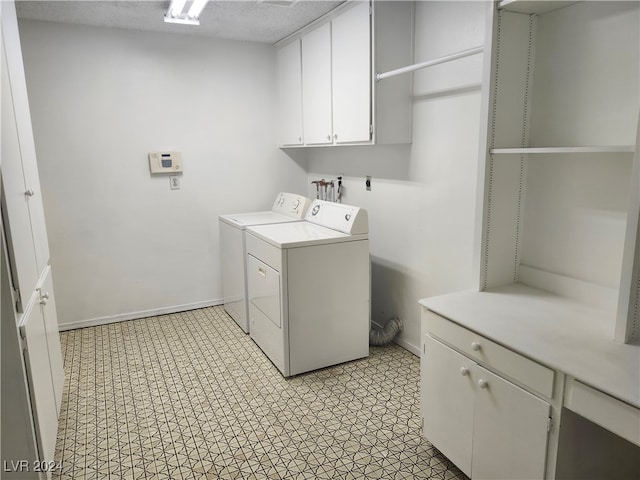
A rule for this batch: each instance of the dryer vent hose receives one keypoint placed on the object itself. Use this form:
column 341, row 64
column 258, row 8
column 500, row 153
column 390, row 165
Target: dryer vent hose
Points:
column 384, row 336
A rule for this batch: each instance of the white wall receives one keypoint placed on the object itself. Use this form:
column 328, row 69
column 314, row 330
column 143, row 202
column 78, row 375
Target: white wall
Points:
column 121, row 241
column 102, row 98
column 422, row 200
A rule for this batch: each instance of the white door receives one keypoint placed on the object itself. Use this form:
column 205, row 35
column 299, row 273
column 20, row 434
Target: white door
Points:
column 447, row 400
column 316, row 86
column 265, row 312
column 41, row 389
column 351, row 57
column 48, row 305
column 16, row 75
column 290, row 93
column 18, row 224
column 510, row 431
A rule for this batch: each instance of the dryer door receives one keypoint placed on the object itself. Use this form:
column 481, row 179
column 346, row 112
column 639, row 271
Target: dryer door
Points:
column 265, row 311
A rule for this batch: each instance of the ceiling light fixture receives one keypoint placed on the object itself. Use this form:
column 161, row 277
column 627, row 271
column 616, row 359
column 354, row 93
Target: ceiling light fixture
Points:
column 176, row 12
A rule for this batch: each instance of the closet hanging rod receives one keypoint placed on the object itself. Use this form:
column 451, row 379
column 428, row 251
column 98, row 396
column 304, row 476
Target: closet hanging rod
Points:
column 430, row 63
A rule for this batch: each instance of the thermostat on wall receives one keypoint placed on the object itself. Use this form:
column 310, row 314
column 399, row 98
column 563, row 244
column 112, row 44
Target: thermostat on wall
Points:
column 165, row 162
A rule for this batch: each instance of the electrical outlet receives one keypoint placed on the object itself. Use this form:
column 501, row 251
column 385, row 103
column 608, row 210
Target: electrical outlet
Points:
column 174, row 182
column 367, row 183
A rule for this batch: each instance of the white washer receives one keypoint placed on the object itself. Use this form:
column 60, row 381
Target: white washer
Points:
column 287, row 207
column 309, row 288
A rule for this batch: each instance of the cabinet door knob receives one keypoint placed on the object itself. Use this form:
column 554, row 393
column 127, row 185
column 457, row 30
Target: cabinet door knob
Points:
column 328, row 137
column 335, row 136
column 300, row 139
column 45, row 295
column 464, row 371
column 482, row 383
column 475, row 346
column 43, row 301
column 30, row 192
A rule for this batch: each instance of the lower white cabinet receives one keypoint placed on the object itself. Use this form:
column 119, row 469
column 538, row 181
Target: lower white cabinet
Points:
column 41, row 389
column 48, row 308
column 486, row 425
column 43, row 365
column 447, row 397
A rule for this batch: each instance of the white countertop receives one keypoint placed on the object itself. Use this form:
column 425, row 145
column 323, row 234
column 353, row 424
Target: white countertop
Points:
column 558, row 332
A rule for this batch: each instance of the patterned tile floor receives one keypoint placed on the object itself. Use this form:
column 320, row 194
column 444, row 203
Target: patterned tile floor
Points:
column 189, row 395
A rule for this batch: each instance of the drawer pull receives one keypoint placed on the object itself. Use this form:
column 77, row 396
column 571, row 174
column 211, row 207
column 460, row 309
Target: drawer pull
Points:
column 262, row 272
column 482, row 383
column 475, row 346
column 464, row 371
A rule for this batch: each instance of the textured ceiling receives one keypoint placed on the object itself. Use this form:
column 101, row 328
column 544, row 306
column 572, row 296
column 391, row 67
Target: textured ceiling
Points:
column 249, row 20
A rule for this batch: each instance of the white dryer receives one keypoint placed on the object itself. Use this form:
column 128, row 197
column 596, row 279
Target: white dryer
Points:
column 287, row 207
column 309, row 288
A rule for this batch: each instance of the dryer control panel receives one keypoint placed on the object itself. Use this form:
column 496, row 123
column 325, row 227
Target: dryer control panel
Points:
column 338, row 216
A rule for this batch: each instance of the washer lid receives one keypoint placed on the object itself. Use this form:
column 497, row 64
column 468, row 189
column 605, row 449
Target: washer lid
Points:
column 243, row 220
column 300, row 234
column 287, row 207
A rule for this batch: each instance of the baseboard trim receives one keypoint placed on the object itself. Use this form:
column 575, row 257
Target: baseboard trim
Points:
column 123, row 317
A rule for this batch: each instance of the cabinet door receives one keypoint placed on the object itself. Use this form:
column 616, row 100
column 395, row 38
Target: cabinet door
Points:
column 447, row 401
column 290, row 93
column 351, row 58
column 22, row 116
column 43, row 403
column 17, row 198
column 48, row 305
column 316, row 86
column 510, row 431
column 265, row 315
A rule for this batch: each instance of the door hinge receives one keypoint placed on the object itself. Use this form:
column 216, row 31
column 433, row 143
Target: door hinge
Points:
column 549, row 424
column 23, row 340
column 371, row 128
column 18, row 298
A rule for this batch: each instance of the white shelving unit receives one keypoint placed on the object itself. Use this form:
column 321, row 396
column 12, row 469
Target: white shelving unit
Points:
column 557, row 247
column 557, row 188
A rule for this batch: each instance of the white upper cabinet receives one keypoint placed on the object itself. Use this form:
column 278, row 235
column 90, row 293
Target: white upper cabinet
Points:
column 316, row 86
column 290, row 94
column 18, row 198
column 342, row 104
column 22, row 115
column 351, row 67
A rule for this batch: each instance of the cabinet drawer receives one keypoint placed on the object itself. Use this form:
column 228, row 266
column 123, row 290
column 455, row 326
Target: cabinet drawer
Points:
column 614, row 415
column 486, row 352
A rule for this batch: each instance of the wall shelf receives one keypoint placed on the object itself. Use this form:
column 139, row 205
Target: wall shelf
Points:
column 534, row 7
column 547, row 150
